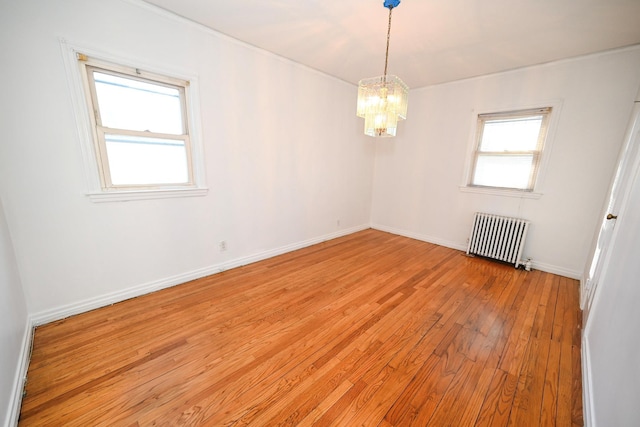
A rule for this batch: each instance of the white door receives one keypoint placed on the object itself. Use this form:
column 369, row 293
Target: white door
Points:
column 629, row 155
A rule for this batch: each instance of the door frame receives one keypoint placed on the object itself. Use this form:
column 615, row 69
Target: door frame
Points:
column 628, row 163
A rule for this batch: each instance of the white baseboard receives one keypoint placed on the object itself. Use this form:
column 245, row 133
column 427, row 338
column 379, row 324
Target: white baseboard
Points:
column 62, row 312
column 583, row 293
column 560, row 271
column 422, row 237
column 587, row 385
column 13, row 413
column 554, row 269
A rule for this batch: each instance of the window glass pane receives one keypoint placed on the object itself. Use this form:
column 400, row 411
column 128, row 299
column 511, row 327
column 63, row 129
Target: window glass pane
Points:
column 503, row 171
column 142, row 161
column 134, row 105
column 511, row 134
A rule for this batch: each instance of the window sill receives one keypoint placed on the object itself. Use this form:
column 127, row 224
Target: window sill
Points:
column 125, row 196
column 492, row 191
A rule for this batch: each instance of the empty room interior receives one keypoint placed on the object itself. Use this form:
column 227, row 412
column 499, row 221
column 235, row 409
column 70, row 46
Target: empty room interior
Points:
column 214, row 213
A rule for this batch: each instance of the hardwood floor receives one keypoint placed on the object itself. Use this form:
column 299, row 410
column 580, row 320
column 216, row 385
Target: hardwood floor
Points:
column 370, row 329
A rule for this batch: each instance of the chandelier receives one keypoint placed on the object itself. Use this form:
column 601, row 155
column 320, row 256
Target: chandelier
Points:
column 382, row 101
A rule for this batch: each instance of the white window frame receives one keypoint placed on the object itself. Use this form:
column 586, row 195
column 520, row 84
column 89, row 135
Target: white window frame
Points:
column 99, row 186
column 540, row 157
column 100, row 131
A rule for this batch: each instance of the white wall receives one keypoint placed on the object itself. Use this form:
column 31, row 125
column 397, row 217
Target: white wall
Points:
column 13, row 325
column 417, row 175
column 285, row 157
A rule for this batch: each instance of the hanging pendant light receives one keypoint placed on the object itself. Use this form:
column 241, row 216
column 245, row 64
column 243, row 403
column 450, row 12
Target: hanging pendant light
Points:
column 382, row 101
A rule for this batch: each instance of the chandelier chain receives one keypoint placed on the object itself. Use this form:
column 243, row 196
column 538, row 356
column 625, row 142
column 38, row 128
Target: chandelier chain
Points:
column 386, row 55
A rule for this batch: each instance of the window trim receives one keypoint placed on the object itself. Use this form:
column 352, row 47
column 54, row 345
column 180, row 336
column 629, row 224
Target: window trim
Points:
column 537, row 188
column 535, row 153
column 79, row 89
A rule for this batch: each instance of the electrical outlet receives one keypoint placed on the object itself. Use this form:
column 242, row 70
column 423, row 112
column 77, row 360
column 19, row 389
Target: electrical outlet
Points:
column 223, row 246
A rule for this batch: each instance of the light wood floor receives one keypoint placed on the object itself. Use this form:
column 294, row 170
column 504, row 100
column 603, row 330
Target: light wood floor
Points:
column 370, row 329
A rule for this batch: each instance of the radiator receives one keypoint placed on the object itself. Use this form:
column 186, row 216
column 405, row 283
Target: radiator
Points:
column 498, row 237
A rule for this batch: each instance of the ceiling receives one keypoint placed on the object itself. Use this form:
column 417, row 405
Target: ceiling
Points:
column 432, row 41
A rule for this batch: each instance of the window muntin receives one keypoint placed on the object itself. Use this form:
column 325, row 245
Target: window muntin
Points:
column 508, row 149
column 140, row 128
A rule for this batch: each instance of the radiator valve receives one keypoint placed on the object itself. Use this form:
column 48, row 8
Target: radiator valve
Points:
column 527, row 265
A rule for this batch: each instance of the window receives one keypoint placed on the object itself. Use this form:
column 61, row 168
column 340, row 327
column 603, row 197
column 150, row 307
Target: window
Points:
column 508, row 149
column 141, row 128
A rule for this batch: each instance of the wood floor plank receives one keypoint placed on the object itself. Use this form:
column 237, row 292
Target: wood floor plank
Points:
column 318, row 412
column 402, row 410
column 577, row 418
column 519, row 339
column 492, row 398
column 448, row 408
column 505, row 404
column 550, row 393
column 368, row 329
column 564, row 410
column 478, row 392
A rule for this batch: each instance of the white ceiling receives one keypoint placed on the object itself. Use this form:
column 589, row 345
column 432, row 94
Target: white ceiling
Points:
column 432, row 41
